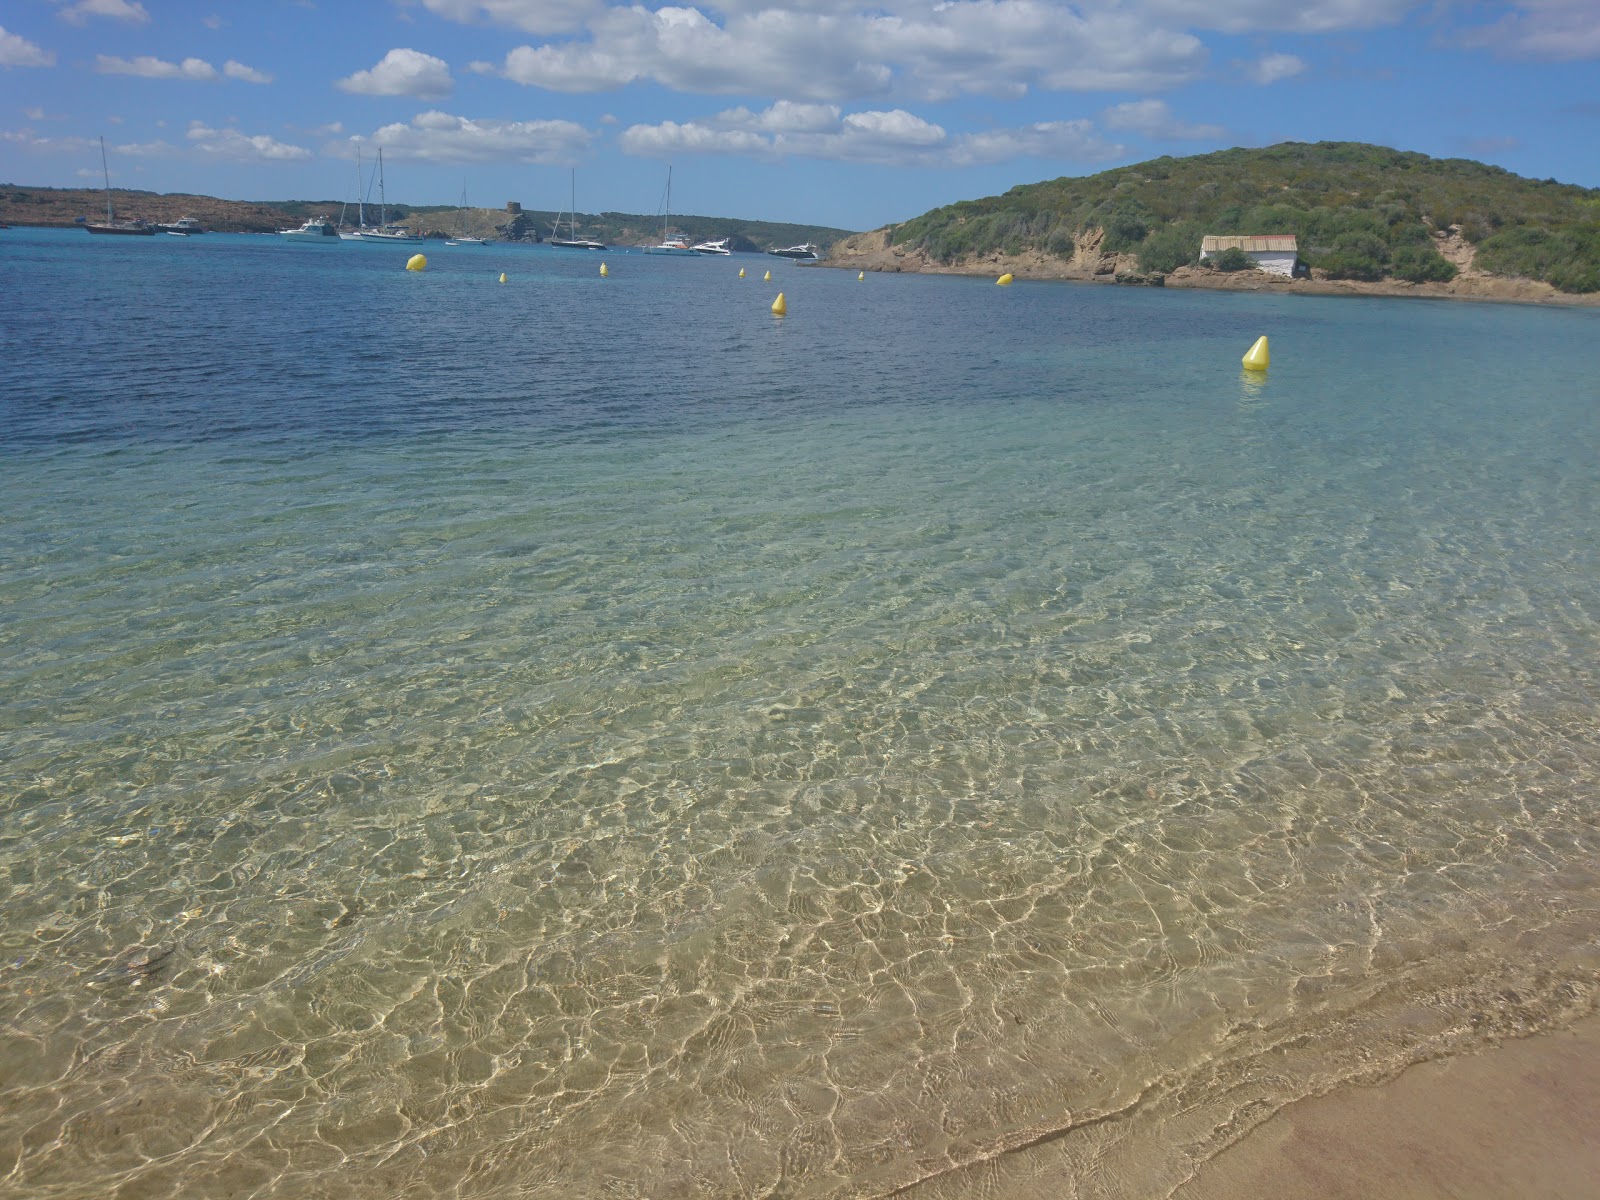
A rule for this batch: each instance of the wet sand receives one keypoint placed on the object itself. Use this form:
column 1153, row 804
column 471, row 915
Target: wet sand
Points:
column 1518, row 1120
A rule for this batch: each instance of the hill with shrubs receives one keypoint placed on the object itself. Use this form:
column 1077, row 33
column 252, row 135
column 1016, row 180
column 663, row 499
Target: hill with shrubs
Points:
column 1359, row 212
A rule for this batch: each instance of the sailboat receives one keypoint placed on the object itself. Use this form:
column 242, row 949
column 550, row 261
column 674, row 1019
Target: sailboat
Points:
column 671, row 243
column 386, row 232
column 354, row 235
column 111, row 224
column 573, row 241
column 460, row 238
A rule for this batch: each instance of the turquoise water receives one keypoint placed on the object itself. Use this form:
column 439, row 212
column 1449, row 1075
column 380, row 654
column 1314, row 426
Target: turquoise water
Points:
column 590, row 737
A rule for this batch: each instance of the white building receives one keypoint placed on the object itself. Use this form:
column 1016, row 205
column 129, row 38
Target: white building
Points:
column 1276, row 253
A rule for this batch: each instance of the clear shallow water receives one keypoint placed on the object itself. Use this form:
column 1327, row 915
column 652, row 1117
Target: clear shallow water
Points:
column 590, row 737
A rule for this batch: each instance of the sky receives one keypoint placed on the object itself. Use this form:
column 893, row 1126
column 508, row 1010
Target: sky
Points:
column 829, row 112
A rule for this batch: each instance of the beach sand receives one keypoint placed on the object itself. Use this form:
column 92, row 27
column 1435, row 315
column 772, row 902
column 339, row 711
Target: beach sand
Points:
column 1520, row 1120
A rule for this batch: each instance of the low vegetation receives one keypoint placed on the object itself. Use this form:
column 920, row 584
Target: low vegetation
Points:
column 1359, row 212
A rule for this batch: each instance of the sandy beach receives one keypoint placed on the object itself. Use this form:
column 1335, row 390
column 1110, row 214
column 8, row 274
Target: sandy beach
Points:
column 1517, row 1120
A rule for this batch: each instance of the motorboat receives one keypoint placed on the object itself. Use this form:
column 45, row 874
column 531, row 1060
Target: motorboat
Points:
column 671, row 243
column 805, row 252
column 317, row 230
column 111, row 224
column 572, row 241
column 183, row 225
column 720, row 246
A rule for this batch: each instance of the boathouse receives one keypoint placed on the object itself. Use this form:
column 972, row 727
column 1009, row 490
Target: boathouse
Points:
column 1276, row 253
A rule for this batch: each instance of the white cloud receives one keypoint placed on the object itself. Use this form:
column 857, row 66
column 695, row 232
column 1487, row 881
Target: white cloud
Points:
column 1291, row 16
column 531, row 16
column 445, row 138
column 1154, row 119
column 240, row 147
column 148, row 67
column 120, row 10
column 1559, row 30
column 18, row 51
column 403, row 72
column 935, row 51
column 1270, row 68
column 237, row 70
column 885, row 137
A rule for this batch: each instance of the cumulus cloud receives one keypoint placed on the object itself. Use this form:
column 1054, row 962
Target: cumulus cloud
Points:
column 1270, row 68
column 1290, row 16
column 885, row 137
column 1154, row 119
column 237, row 70
column 403, row 72
column 442, row 137
column 18, row 51
column 240, row 147
column 935, row 52
column 121, row 10
column 1559, row 30
column 148, row 67
column 530, row 16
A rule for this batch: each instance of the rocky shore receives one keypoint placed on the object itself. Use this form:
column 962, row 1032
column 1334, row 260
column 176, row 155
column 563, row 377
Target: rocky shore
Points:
column 1090, row 264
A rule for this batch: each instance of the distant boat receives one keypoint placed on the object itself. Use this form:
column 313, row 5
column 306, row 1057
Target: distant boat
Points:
column 386, row 232
column 801, row 253
column 316, row 230
column 183, row 225
column 459, row 238
column 354, row 235
column 720, row 246
column 175, row 233
column 671, row 243
column 573, row 241
column 111, row 224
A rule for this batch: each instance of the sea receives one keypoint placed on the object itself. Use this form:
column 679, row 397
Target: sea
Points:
column 587, row 736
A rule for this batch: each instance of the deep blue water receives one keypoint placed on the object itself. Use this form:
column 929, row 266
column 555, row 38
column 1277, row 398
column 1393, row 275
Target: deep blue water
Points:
column 590, row 736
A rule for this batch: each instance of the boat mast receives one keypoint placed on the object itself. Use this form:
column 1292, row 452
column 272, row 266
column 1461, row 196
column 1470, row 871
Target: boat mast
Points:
column 666, row 212
column 361, row 210
column 110, row 220
column 572, row 213
column 383, row 200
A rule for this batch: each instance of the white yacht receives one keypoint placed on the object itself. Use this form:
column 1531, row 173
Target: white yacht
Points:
column 720, row 246
column 805, row 252
column 183, row 225
column 317, row 230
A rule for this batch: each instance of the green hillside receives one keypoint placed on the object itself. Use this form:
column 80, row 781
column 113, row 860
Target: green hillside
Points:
column 1359, row 211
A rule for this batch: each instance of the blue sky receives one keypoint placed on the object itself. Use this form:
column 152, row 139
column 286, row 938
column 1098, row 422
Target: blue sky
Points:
column 825, row 111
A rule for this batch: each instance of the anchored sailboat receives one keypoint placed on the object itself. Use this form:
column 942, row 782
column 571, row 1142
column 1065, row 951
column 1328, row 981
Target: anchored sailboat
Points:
column 111, row 224
column 460, row 237
column 671, row 243
column 573, row 241
column 386, row 232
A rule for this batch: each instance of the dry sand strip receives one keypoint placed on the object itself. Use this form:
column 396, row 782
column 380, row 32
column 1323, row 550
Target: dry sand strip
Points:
column 1520, row 1121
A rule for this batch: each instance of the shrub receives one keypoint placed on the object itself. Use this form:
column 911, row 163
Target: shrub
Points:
column 1351, row 264
column 1232, row 259
column 1168, row 249
column 1422, row 264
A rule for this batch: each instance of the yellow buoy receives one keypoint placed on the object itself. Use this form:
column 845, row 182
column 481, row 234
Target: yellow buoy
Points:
column 417, row 262
column 1004, row 280
column 779, row 308
column 767, row 278
column 741, row 272
column 502, row 276
column 1257, row 358
column 861, row 274
column 603, row 271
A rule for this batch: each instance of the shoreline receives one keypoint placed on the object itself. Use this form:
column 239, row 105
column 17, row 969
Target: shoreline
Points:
column 1511, row 1119
column 873, row 252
